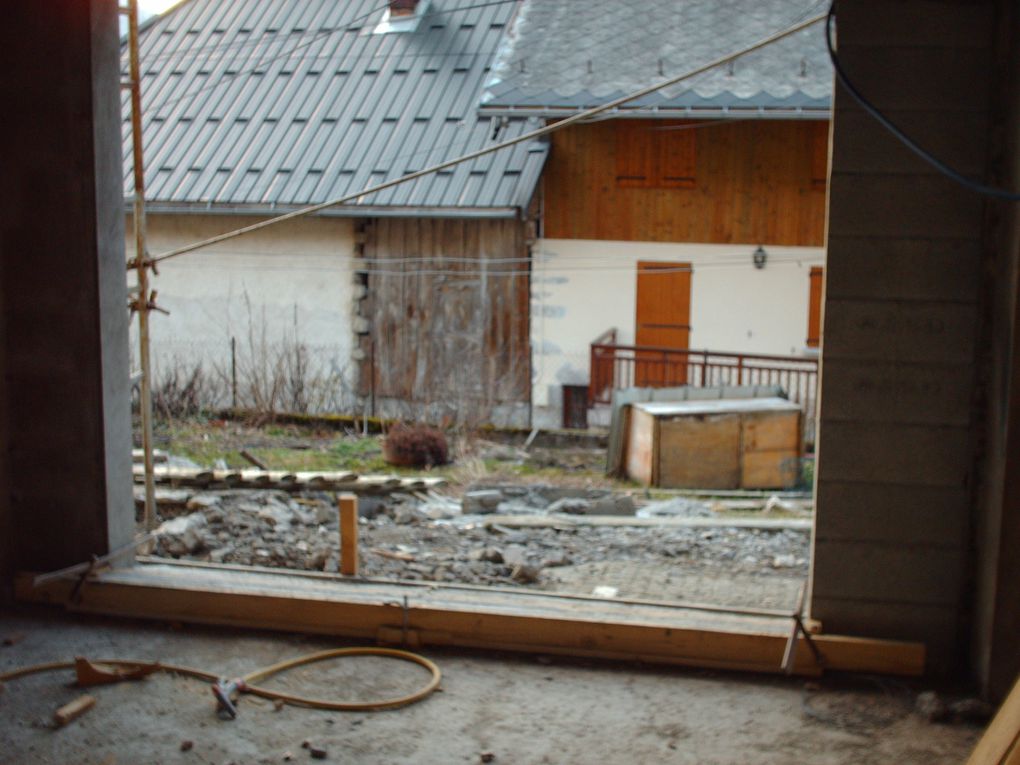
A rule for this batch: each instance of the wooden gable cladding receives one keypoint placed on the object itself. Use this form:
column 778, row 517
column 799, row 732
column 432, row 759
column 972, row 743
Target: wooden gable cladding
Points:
column 753, row 182
column 448, row 313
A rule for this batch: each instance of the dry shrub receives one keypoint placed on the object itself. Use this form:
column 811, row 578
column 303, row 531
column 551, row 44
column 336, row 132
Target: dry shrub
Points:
column 418, row 446
column 179, row 393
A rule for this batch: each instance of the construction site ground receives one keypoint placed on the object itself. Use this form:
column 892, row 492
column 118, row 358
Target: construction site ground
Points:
column 520, row 709
column 676, row 557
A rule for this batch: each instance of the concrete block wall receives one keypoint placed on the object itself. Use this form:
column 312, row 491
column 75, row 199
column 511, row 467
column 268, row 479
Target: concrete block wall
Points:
column 67, row 437
column 902, row 317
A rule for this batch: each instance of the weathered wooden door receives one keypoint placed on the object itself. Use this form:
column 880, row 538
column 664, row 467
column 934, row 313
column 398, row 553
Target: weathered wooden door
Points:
column 663, row 321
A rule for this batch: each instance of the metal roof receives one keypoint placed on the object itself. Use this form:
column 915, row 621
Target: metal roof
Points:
column 260, row 105
column 562, row 56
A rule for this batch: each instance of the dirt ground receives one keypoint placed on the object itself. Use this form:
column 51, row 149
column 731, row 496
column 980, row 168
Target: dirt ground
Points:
column 525, row 710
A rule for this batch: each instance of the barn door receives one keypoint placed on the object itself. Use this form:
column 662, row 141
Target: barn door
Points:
column 663, row 321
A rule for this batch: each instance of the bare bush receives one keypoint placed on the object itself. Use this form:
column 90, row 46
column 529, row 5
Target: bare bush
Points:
column 416, row 445
column 179, row 393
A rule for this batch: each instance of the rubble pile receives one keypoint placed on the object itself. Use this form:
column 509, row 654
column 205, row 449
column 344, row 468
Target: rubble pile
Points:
column 433, row 537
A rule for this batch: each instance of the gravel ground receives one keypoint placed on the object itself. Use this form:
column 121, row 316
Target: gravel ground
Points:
column 407, row 538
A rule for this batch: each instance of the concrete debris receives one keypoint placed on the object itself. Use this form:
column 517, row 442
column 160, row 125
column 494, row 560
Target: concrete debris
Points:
column 931, row 707
column 570, row 505
column 678, row 507
column 182, row 535
column 525, row 574
column 423, row 536
column 775, row 503
column 480, row 502
column 972, row 710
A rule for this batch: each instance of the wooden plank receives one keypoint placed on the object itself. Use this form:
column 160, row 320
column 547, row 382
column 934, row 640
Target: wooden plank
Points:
column 74, row 709
column 1000, row 740
column 292, row 601
column 573, row 521
column 700, row 451
column 639, row 446
column 348, row 534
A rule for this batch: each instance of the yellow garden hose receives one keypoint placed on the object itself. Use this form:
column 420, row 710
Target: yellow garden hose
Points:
column 244, row 684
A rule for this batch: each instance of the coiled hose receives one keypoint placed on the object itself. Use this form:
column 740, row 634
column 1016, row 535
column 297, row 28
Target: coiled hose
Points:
column 244, row 684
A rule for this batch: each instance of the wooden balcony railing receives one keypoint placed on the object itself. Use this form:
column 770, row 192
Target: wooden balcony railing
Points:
column 624, row 366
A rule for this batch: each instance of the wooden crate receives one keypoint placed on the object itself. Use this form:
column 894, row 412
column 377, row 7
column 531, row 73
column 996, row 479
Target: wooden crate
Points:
column 717, row 444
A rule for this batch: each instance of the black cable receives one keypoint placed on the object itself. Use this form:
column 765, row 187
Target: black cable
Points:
column 942, row 167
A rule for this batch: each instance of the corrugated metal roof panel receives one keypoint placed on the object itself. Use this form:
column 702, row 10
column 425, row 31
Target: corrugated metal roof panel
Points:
column 296, row 102
column 567, row 56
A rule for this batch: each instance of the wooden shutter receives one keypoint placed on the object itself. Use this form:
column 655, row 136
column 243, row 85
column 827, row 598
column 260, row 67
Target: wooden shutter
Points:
column 634, row 153
column 676, row 150
column 814, row 330
column 651, row 155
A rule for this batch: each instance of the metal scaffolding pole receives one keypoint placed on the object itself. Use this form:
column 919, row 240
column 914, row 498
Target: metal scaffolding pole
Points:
column 143, row 301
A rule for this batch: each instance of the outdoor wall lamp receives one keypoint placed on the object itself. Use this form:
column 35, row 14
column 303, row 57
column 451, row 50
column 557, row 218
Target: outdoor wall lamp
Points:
column 759, row 257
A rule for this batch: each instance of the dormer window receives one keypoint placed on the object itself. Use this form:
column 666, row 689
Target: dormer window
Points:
column 402, row 16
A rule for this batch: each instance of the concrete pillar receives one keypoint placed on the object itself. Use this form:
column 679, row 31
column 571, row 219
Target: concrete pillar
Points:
column 64, row 298
column 996, row 607
column 903, row 288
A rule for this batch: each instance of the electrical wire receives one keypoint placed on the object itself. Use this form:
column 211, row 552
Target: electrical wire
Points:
column 884, row 121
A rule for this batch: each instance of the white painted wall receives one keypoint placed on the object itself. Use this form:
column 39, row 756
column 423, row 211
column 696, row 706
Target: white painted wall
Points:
column 580, row 288
column 271, row 289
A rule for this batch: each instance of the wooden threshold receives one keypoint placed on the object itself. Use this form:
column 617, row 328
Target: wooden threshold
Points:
column 417, row 615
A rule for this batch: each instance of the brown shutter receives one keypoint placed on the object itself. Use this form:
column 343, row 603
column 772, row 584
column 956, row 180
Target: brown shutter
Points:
column 814, row 331
column 676, row 149
column 634, row 153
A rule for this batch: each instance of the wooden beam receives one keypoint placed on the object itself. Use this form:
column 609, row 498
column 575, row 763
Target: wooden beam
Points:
column 1000, row 745
column 475, row 618
column 348, row 534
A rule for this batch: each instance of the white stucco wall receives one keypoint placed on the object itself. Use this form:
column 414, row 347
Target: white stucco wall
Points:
column 271, row 290
column 580, row 288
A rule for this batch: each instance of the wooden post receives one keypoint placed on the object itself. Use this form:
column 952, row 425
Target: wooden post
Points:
column 348, row 534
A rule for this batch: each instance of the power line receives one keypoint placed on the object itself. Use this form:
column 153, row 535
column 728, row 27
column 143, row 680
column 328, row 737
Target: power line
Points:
column 580, row 116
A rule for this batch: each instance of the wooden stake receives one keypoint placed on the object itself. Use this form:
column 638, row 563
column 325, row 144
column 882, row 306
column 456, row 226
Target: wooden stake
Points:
column 348, row 534
column 76, row 708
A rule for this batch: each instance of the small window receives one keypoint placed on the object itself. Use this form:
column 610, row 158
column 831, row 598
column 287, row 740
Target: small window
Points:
column 819, row 155
column 814, row 330
column 655, row 155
